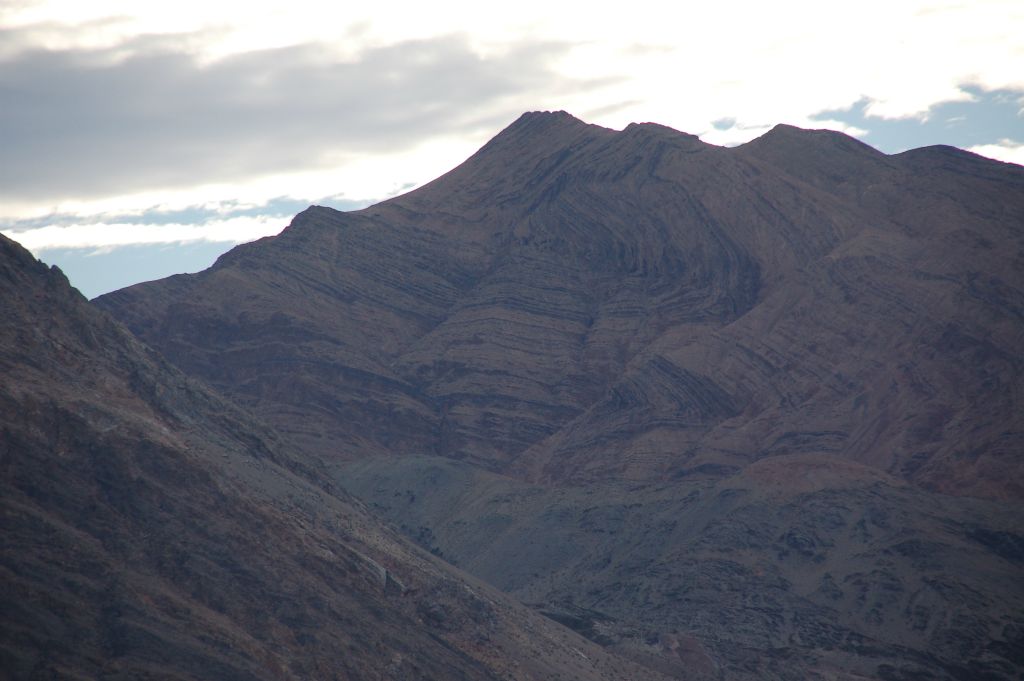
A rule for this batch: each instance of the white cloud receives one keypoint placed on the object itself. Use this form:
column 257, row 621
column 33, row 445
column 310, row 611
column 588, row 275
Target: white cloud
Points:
column 1006, row 150
column 104, row 236
column 904, row 56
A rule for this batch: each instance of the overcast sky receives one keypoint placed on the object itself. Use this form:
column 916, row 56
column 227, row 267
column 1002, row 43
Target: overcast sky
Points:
column 130, row 127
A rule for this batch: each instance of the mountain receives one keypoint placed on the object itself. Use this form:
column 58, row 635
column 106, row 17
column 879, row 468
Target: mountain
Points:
column 153, row 530
column 757, row 410
column 578, row 304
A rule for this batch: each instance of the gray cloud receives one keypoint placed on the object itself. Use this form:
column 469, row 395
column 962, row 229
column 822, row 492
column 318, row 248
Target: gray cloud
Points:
column 87, row 123
column 280, row 207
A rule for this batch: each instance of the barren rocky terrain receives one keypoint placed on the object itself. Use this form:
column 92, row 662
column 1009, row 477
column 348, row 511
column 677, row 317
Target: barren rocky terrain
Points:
column 731, row 413
column 576, row 304
column 793, row 568
column 153, row 530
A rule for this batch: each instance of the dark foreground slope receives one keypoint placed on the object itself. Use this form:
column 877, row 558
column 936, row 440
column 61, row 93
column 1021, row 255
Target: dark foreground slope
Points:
column 752, row 412
column 152, row 530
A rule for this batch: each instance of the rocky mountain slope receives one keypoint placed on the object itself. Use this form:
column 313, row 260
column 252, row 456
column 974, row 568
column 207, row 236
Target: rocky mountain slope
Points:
column 793, row 568
column 152, row 530
column 574, row 303
column 745, row 413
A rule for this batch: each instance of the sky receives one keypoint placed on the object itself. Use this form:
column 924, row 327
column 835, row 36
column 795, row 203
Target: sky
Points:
column 139, row 139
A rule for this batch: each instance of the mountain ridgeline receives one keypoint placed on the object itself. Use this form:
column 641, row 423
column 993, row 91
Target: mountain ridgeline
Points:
column 749, row 412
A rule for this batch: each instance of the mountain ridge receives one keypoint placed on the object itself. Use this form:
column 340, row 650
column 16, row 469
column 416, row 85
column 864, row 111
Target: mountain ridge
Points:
column 748, row 412
column 722, row 284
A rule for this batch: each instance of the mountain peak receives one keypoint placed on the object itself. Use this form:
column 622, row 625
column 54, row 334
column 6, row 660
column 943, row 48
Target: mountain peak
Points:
column 649, row 127
column 549, row 126
column 18, row 266
column 547, row 118
column 534, row 141
column 784, row 136
column 826, row 158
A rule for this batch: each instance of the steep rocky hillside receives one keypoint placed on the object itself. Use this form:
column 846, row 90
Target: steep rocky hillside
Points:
column 794, row 568
column 731, row 413
column 152, row 530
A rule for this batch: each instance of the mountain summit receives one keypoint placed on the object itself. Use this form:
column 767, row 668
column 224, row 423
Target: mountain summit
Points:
column 747, row 413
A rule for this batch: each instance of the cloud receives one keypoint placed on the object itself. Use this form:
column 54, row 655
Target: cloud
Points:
column 104, row 235
column 281, row 206
column 80, row 123
column 974, row 118
column 1005, row 150
column 225, row 222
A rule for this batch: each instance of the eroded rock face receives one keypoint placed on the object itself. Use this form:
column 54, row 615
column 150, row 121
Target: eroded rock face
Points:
column 732, row 413
column 152, row 529
column 578, row 304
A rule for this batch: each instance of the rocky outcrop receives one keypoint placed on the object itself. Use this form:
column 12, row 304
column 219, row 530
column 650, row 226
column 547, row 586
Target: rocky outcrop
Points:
column 151, row 529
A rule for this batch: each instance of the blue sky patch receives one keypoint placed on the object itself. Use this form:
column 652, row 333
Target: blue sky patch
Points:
column 991, row 116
